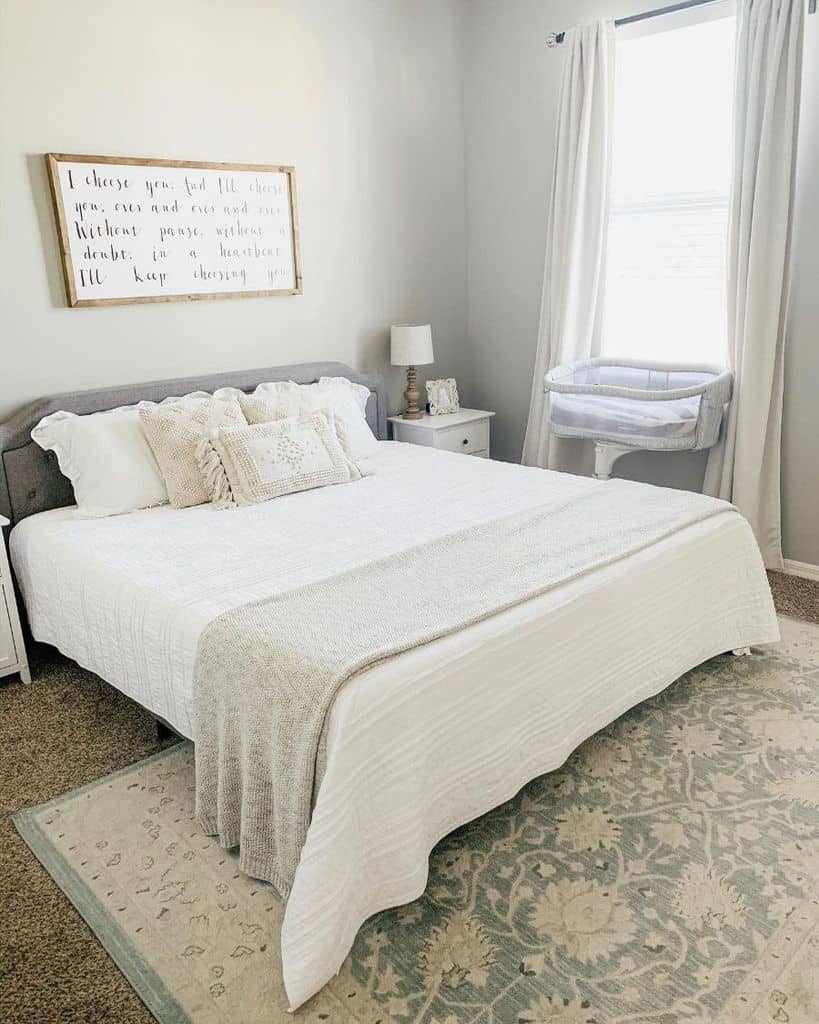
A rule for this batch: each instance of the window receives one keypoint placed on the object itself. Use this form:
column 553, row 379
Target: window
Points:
column 665, row 277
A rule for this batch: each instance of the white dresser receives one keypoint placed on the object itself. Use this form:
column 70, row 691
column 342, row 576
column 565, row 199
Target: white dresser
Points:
column 12, row 649
column 464, row 431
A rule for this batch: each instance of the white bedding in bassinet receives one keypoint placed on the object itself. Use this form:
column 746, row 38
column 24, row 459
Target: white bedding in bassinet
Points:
column 605, row 415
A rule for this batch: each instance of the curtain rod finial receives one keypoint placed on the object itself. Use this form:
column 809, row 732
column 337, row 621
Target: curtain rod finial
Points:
column 555, row 38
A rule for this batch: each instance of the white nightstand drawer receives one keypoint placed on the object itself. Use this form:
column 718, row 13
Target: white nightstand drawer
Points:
column 466, row 431
column 8, row 652
column 468, row 438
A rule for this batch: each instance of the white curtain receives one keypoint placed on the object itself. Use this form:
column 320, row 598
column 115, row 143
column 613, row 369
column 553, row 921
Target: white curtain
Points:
column 745, row 466
column 573, row 279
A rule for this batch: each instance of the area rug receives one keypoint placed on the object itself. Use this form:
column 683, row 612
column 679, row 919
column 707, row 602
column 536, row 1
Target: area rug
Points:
column 667, row 873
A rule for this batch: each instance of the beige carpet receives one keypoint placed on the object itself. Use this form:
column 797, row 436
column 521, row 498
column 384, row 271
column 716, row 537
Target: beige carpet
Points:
column 669, row 868
column 795, row 596
column 65, row 730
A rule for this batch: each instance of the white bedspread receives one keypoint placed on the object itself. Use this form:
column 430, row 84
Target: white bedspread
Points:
column 458, row 725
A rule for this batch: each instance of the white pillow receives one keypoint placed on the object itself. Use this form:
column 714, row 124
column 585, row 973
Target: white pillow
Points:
column 335, row 396
column 361, row 393
column 107, row 458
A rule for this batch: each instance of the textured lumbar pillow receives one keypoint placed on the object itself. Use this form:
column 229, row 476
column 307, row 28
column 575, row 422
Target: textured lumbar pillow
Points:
column 335, row 396
column 245, row 465
column 269, row 407
column 174, row 428
column 107, row 459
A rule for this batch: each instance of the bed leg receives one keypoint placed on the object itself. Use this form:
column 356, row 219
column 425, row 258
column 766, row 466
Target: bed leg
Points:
column 741, row 652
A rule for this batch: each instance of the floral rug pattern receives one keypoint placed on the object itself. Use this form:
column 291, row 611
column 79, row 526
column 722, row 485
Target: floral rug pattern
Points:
column 668, row 873
column 639, row 882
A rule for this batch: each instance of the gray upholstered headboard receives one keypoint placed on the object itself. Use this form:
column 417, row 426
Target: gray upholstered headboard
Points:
column 30, row 479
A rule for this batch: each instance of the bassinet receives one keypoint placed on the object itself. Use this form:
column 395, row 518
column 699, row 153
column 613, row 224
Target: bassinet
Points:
column 626, row 405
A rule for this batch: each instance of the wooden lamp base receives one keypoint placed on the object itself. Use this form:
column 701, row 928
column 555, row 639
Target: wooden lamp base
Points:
column 412, row 394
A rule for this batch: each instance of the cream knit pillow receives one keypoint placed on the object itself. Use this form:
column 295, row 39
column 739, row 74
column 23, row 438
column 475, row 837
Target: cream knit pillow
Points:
column 266, row 408
column 174, row 428
column 245, row 465
column 334, row 396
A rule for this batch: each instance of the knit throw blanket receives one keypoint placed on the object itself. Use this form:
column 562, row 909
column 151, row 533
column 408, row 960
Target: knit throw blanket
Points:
column 267, row 673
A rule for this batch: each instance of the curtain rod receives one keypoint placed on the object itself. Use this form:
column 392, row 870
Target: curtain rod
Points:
column 556, row 38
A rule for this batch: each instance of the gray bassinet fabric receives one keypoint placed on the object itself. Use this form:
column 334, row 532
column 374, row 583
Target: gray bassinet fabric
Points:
column 661, row 407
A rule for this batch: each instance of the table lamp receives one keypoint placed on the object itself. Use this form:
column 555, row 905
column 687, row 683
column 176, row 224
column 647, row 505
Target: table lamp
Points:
column 411, row 346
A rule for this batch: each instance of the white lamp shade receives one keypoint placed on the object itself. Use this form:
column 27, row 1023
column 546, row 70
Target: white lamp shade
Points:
column 411, row 344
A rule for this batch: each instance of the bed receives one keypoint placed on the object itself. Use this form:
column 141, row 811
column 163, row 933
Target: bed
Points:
column 419, row 743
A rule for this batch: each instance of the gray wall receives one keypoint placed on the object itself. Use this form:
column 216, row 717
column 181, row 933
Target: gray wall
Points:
column 362, row 96
column 511, row 93
column 388, row 109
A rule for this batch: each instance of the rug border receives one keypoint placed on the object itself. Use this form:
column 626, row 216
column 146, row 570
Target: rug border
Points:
column 142, row 978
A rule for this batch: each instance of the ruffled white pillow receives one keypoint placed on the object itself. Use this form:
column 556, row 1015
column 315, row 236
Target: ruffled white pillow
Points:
column 106, row 457
column 359, row 392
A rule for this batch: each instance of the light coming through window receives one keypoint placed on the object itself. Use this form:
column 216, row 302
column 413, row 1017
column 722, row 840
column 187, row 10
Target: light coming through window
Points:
column 665, row 289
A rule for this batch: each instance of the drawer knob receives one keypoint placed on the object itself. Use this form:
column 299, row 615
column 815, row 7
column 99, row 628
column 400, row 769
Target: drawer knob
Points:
column 465, row 441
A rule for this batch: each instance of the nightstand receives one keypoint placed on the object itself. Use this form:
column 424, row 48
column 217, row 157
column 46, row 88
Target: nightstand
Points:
column 464, row 431
column 12, row 649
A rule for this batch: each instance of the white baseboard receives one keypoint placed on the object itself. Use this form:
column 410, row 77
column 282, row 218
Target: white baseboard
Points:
column 803, row 569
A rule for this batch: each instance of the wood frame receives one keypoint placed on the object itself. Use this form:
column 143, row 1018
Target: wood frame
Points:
column 52, row 165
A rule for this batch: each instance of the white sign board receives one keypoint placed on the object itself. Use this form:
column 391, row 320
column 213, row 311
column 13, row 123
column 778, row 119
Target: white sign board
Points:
column 158, row 230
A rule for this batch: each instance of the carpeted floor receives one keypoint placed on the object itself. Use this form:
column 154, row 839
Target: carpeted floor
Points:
column 795, row 596
column 66, row 730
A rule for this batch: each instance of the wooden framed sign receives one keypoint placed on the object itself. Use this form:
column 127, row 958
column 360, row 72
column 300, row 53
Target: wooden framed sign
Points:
column 136, row 230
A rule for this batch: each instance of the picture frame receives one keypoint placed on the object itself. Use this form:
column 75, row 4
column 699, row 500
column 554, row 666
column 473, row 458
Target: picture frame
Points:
column 442, row 396
column 121, row 240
